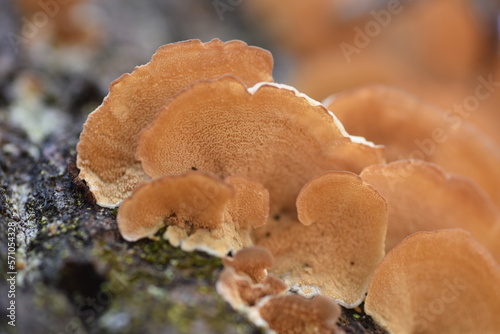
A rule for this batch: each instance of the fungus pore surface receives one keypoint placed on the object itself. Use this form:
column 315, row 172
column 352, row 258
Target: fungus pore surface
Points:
column 340, row 241
column 194, row 200
column 436, row 282
column 422, row 197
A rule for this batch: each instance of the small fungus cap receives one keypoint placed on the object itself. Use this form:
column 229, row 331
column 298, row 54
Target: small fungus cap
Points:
column 244, row 280
column 340, row 241
column 242, row 294
column 436, row 282
column 294, row 314
column 201, row 212
column 108, row 142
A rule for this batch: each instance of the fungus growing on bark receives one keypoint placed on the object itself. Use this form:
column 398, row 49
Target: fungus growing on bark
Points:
column 411, row 129
column 107, row 147
column 422, row 197
column 197, row 209
column 436, row 282
column 242, row 293
column 340, row 240
column 244, row 280
column 293, row 314
column 269, row 133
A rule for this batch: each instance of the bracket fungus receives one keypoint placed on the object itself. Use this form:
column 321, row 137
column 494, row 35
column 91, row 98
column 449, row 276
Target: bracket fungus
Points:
column 108, row 142
column 411, row 129
column 269, row 133
column 436, row 282
column 340, row 241
column 198, row 211
column 422, row 197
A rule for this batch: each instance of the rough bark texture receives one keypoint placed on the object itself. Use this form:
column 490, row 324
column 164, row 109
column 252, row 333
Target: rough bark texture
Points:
column 75, row 274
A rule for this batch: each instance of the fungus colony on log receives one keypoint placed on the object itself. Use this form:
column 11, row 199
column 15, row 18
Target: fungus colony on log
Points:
column 304, row 215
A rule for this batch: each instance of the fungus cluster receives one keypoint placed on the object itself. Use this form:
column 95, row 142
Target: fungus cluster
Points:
column 244, row 283
column 200, row 140
column 109, row 140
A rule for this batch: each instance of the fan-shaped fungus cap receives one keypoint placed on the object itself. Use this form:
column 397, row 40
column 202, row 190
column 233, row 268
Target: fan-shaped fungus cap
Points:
column 106, row 152
column 422, row 197
column 193, row 200
column 195, row 205
column 340, row 242
column 293, row 314
column 411, row 129
column 436, row 282
column 253, row 261
column 269, row 133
